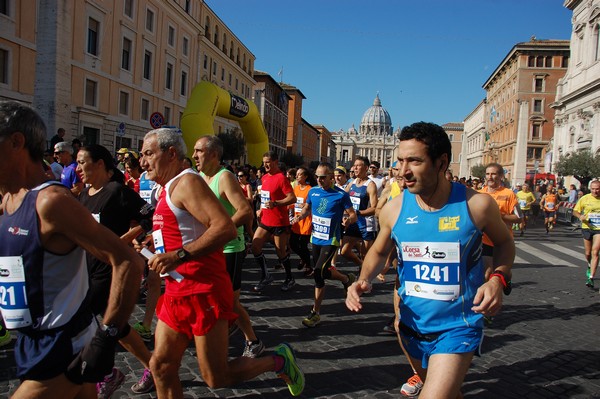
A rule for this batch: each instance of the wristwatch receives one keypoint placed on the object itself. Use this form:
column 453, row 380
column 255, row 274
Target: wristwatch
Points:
column 111, row 330
column 183, row 255
column 507, row 283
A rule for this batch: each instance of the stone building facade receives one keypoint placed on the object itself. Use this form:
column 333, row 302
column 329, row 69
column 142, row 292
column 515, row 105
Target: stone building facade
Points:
column 577, row 104
column 100, row 69
column 518, row 113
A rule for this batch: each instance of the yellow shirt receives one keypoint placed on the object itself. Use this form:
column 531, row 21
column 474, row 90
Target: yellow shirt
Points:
column 589, row 206
column 525, row 199
column 395, row 189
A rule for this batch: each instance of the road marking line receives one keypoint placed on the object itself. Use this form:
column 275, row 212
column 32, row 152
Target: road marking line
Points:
column 550, row 259
column 575, row 254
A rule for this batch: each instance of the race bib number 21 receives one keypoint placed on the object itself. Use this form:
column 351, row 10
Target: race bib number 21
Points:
column 13, row 296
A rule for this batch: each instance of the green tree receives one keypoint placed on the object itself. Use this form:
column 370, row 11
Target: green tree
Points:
column 292, row 160
column 234, row 145
column 478, row 171
column 582, row 165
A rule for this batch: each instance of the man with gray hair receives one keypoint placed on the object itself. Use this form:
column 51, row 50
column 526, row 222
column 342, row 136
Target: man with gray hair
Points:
column 63, row 152
column 190, row 229
column 44, row 234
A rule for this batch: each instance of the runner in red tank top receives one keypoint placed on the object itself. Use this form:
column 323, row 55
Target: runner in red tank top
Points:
column 190, row 229
column 275, row 195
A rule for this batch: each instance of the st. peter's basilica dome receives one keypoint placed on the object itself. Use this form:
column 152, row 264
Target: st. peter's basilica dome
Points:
column 376, row 120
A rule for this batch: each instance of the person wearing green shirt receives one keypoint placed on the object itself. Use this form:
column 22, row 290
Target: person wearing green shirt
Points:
column 208, row 152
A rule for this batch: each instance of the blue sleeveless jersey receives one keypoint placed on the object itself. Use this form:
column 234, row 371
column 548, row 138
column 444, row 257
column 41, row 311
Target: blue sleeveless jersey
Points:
column 440, row 265
column 54, row 286
column 360, row 201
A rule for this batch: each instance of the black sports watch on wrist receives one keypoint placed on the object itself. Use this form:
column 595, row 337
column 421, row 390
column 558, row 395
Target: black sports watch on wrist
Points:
column 182, row 255
column 506, row 282
column 111, row 330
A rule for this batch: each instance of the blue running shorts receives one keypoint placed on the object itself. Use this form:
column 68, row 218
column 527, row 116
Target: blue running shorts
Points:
column 458, row 340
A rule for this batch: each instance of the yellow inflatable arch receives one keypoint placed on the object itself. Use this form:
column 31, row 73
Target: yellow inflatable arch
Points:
column 207, row 101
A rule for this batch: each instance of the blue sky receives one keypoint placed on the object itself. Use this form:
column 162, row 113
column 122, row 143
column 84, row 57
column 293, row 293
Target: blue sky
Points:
column 427, row 59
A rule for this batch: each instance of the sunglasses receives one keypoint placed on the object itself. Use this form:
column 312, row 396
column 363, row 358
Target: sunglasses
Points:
column 373, row 167
column 241, row 176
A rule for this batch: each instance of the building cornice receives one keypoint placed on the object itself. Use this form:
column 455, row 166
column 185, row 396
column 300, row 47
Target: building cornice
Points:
column 535, row 45
column 589, row 88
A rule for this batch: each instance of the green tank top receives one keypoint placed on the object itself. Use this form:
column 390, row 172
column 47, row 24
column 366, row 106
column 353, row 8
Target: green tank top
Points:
column 237, row 244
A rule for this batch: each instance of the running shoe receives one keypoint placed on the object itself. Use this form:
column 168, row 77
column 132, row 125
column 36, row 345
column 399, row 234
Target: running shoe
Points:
column 351, row 279
column 253, row 349
column 144, row 331
column 590, row 282
column 588, row 272
column 412, row 387
column 312, row 319
column 263, row 283
column 288, row 284
column 290, row 372
column 5, row 338
column 308, row 272
column 106, row 388
column 145, row 384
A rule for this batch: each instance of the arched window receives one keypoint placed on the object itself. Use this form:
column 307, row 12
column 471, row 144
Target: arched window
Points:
column 207, row 28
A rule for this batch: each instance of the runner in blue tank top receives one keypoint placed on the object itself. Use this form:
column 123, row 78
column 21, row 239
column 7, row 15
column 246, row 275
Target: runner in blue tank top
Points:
column 43, row 235
column 363, row 194
column 436, row 227
column 327, row 204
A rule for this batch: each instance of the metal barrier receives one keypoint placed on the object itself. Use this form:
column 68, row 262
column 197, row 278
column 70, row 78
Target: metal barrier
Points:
column 564, row 214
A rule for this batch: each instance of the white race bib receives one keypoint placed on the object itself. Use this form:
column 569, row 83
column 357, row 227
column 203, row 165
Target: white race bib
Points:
column 431, row 270
column 298, row 205
column 159, row 244
column 13, row 294
column 321, row 227
column 594, row 220
column 355, row 203
column 265, row 196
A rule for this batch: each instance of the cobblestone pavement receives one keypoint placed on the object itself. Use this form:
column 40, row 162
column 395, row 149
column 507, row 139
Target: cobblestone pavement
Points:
column 545, row 343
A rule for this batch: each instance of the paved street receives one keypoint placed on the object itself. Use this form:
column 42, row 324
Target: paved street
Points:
column 545, row 343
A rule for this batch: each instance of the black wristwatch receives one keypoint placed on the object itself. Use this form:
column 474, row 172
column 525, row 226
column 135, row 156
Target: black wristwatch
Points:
column 506, row 282
column 111, row 330
column 183, row 255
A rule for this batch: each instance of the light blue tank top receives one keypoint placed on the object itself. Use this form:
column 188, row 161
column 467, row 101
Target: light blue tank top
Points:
column 440, row 265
